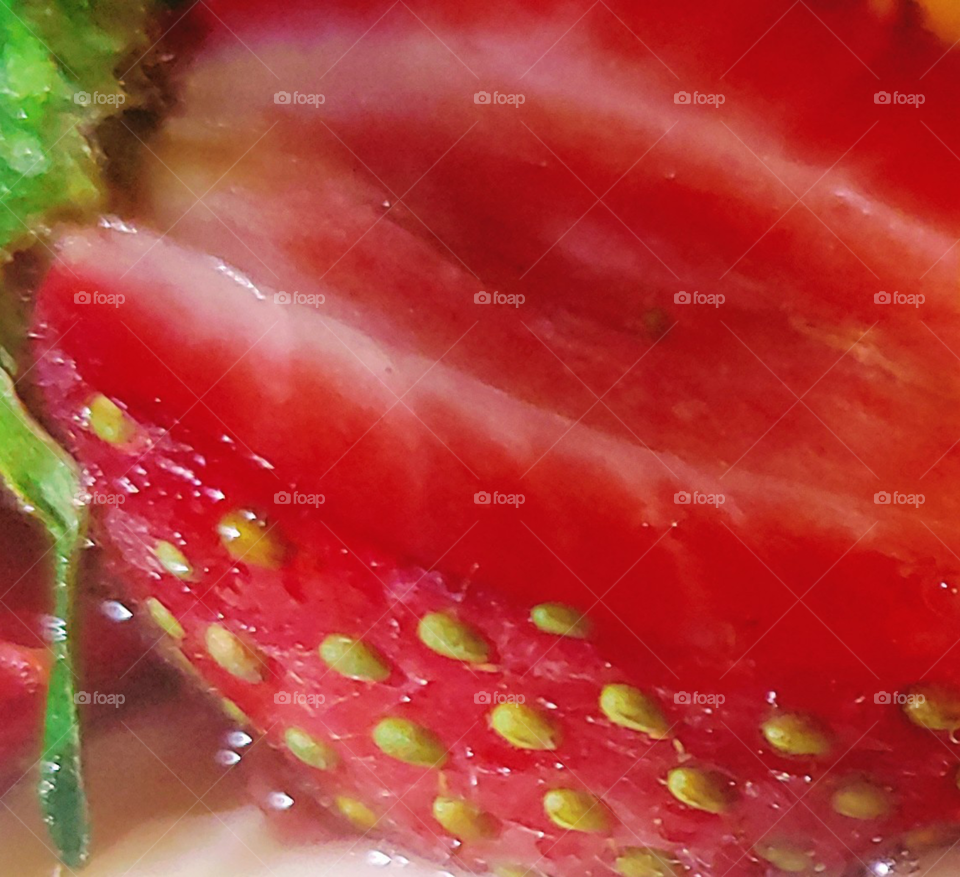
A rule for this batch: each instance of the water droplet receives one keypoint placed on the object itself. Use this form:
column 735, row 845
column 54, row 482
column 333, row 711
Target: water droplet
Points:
column 239, row 739
column 227, row 757
column 280, row 801
column 115, row 610
column 378, row 859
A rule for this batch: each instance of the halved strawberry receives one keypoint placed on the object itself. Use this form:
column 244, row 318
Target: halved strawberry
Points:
column 743, row 649
column 381, row 675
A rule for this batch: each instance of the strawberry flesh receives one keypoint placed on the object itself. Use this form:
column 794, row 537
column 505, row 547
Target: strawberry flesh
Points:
column 179, row 485
column 398, row 399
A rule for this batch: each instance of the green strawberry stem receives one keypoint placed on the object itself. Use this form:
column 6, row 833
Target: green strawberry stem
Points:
column 62, row 795
column 46, row 483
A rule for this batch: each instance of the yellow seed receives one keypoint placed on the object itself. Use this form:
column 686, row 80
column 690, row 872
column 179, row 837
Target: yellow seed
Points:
column 561, row 620
column 465, row 821
column 576, row 811
column 172, row 559
column 231, row 653
column 861, row 799
column 930, row 836
column 933, row 706
column 645, row 862
column 249, row 538
column 310, row 750
column 525, row 727
column 784, row 855
column 231, row 710
column 452, row 638
column 630, row 708
column 109, row 422
column 354, row 659
column 701, row 789
column 409, row 742
column 795, row 734
column 164, row 618
column 359, row 814
column 516, row 871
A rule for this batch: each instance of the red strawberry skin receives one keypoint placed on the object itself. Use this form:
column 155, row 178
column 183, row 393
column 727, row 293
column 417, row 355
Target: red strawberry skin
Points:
column 331, row 581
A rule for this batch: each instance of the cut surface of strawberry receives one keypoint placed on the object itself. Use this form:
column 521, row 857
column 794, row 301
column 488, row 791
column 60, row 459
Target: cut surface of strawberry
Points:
column 603, row 582
column 798, row 399
column 451, row 714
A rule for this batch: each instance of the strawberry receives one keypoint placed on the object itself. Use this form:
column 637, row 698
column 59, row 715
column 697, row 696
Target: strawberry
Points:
column 467, row 721
column 691, row 634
